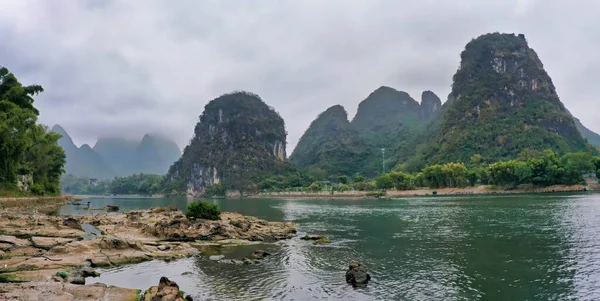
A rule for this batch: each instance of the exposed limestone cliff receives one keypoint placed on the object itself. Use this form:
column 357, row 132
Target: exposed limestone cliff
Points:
column 238, row 140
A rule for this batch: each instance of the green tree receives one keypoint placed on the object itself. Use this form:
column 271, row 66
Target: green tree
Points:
column 343, row 179
column 358, row 179
column 384, row 181
column 26, row 148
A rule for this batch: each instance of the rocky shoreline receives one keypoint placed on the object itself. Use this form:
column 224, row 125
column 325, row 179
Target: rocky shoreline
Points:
column 54, row 254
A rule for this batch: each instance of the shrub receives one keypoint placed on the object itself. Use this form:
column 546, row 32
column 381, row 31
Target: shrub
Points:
column 37, row 189
column 203, row 210
column 315, row 187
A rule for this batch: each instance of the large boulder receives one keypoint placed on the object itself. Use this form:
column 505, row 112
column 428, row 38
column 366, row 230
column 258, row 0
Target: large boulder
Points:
column 357, row 275
column 166, row 290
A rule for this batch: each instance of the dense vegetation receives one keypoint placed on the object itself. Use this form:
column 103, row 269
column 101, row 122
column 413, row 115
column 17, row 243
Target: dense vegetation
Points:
column 112, row 157
column 31, row 161
column 531, row 167
column 502, row 101
column 238, row 141
column 387, row 119
column 203, row 210
column 137, row 184
column 330, row 145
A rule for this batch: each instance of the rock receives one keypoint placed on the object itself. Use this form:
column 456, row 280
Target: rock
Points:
column 49, row 242
column 56, row 290
column 13, row 241
column 112, row 208
column 244, row 225
column 231, row 261
column 216, row 257
column 247, row 261
column 5, row 246
column 260, row 254
column 357, row 275
column 166, row 290
column 72, row 223
column 163, row 247
column 313, row 237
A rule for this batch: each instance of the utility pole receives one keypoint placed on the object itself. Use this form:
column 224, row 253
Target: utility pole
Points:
column 383, row 159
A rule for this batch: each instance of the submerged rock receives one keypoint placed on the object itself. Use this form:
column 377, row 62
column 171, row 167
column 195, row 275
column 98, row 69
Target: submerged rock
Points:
column 112, row 208
column 357, row 275
column 260, row 254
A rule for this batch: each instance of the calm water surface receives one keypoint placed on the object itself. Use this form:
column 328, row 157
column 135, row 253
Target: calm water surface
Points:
column 534, row 247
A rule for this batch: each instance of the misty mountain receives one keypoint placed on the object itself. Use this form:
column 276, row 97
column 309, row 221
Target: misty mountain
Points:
column 112, row 157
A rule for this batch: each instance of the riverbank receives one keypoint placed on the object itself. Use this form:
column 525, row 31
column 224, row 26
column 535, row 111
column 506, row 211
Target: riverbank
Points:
column 479, row 190
column 38, row 248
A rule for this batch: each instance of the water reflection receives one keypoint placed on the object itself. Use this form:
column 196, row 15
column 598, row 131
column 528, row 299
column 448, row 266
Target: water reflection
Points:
column 542, row 247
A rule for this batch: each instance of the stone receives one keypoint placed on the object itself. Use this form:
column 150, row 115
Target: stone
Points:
column 357, row 275
column 260, row 254
column 216, row 257
column 17, row 242
column 112, row 208
column 49, row 242
column 166, row 290
column 72, row 223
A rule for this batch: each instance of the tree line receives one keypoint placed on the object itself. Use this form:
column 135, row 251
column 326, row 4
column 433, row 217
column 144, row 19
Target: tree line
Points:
column 137, row 184
column 531, row 167
column 31, row 161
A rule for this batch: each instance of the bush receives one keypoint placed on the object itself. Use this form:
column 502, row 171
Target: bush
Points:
column 37, row 189
column 203, row 210
column 363, row 186
column 315, row 187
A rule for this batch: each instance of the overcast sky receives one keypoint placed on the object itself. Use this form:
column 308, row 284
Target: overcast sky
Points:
column 125, row 68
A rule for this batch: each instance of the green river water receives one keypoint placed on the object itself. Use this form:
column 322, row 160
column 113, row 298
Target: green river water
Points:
column 514, row 247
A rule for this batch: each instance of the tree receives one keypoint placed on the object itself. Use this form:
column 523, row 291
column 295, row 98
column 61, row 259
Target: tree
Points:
column 343, row 179
column 384, row 181
column 358, row 179
column 582, row 162
column 26, row 149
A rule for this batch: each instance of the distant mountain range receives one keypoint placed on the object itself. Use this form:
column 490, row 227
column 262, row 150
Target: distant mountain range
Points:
column 502, row 102
column 112, row 157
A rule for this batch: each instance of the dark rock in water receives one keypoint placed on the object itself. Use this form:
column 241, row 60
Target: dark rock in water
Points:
column 260, row 254
column 72, row 223
column 357, row 275
column 313, row 237
column 112, row 208
column 166, row 290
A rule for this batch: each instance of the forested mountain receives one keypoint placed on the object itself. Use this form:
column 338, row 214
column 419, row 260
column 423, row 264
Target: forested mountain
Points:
column 331, row 144
column 387, row 119
column 592, row 137
column 502, row 101
column 238, row 141
column 112, row 157
column 31, row 161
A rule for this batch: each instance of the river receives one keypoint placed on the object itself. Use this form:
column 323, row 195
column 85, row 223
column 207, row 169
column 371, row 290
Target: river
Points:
column 511, row 247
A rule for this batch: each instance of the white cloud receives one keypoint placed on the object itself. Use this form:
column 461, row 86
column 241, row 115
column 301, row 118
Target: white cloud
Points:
column 131, row 67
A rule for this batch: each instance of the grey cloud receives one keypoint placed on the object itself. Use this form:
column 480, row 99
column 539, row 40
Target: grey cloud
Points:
column 114, row 68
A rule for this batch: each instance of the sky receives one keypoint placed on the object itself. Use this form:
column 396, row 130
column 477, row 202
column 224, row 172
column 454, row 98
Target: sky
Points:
column 125, row 68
